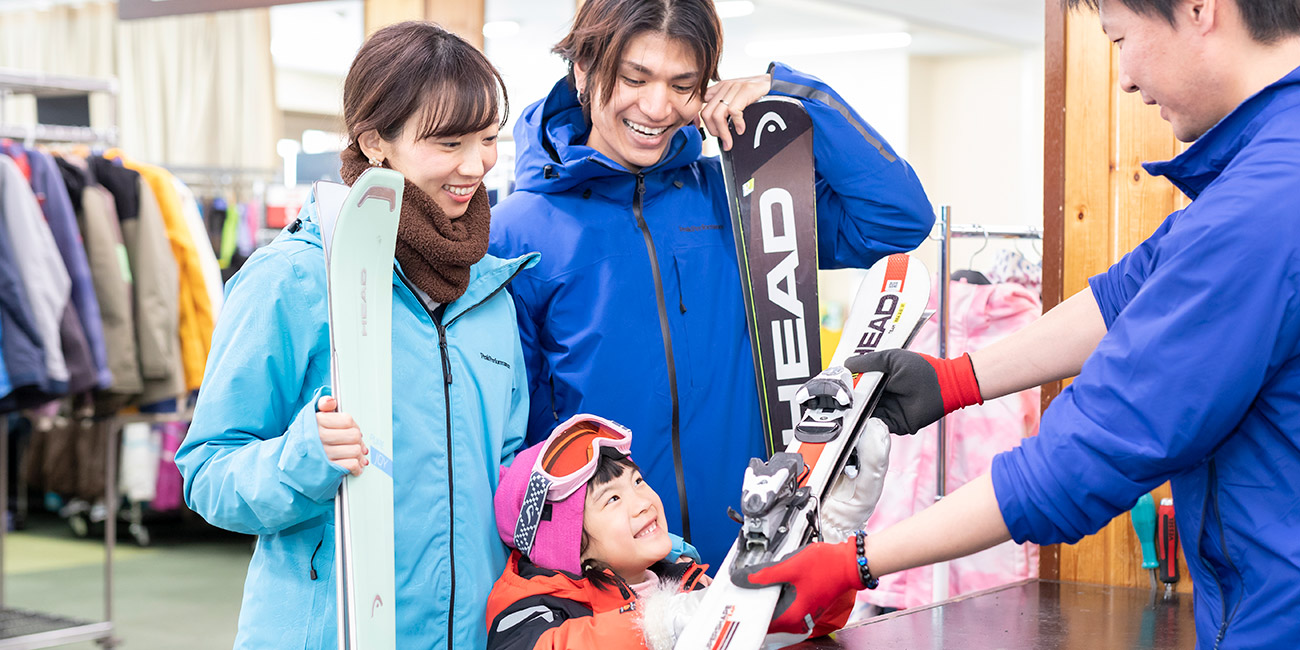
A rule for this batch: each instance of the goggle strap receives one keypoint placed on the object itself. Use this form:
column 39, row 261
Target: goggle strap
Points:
column 530, row 512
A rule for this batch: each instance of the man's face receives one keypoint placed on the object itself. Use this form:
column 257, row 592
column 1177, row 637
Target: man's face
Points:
column 1169, row 65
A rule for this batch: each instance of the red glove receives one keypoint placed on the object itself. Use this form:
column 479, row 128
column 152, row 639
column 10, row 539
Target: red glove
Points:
column 816, row 577
column 919, row 389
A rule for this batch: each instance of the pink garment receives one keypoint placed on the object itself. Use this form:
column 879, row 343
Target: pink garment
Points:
column 980, row 315
column 168, row 494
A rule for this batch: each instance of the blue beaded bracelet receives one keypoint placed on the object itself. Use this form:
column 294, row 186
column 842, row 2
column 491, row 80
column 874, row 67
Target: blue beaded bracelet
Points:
column 864, row 571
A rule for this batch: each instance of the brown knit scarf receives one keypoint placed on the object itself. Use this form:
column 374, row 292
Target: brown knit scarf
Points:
column 435, row 250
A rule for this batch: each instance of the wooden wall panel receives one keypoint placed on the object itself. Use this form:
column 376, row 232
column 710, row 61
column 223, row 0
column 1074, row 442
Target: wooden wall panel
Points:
column 1109, row 205
column 464, row 17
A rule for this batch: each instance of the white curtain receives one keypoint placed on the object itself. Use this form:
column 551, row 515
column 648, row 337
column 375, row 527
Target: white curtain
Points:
column 193, row 90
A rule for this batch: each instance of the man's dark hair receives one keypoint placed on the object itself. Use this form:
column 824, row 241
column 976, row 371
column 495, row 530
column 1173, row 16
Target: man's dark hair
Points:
column 420, row 67
column 603, row 28
column 1267, row 20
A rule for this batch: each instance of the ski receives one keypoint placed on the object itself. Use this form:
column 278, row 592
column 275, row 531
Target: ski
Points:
column 359, row 229
column 773, row 201
column 780, row 498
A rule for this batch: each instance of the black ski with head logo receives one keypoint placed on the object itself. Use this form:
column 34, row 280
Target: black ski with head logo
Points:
column 773, row 201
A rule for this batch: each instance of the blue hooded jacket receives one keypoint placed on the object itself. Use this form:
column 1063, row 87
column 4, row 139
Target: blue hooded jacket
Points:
column 1197, row 381
column 618, row 308
column 253, row 460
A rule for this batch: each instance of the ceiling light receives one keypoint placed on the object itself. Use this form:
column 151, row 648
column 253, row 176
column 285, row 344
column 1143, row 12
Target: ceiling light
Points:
column 500, row 28
column 828, row 45
column 734, row 8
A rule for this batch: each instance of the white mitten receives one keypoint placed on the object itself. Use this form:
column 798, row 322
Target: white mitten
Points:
column 665, row 611
column 853, row 497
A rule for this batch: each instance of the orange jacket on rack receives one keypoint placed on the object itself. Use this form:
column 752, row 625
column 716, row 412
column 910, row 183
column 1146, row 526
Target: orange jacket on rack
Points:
column 196, row 316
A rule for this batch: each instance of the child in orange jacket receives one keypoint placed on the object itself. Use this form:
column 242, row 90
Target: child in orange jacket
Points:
column 590, row 538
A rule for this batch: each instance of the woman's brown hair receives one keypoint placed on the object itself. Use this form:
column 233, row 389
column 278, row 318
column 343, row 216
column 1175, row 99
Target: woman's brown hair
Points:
column 418, row 66
column 603, row 28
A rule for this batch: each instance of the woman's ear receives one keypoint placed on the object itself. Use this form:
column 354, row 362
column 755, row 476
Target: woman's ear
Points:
column 372, row 146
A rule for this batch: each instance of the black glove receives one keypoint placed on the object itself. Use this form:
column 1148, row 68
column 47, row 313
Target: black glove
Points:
column 919, row 389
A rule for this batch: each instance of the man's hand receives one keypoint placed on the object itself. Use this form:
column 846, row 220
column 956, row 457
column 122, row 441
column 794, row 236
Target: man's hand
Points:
column 340, row 436
column 919, row 389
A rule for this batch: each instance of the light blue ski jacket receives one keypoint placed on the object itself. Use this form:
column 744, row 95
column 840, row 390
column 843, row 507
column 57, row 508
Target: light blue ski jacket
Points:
column 253, row 461
column 1196, row 382
column 647, row 326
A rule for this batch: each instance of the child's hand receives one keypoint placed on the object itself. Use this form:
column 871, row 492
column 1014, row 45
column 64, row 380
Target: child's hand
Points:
column 340, row 436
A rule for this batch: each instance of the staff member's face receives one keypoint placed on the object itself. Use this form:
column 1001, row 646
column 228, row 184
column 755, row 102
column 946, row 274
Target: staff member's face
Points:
column 1168, row 64
column 654, row 95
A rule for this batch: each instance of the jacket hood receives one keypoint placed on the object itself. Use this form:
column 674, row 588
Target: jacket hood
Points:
column 553, row 155
column 486, row 276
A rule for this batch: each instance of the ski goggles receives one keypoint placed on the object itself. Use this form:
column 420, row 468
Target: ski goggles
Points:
column 567, row 460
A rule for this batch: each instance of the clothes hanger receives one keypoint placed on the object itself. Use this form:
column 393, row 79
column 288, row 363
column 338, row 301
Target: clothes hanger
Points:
column 969, row 274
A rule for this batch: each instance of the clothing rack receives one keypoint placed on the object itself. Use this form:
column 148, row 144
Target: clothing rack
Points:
column 946, row 232
column 22, row 628
column 20, row 82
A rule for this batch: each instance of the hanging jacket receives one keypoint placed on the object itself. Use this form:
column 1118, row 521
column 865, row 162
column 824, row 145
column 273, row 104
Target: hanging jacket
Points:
column 22, row 347
column 534, row 608
column 107, row 258
column 56, row 205
column 1197, row 381
column 981, row 316
column 253, row 461
column 5, row 386
column 156, row 279
column 196, row 315
column 44, row 277
column 635, row 310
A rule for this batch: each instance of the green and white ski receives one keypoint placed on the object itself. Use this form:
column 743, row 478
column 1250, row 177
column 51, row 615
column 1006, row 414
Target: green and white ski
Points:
column 359, row 228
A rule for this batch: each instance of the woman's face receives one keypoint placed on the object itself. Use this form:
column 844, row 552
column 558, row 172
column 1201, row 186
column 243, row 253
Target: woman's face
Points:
column 654, row 95
column 447, row 168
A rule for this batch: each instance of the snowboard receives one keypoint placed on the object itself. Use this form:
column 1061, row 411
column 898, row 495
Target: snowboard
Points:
column 780, row 497
column 359, row 229
column 772, row 198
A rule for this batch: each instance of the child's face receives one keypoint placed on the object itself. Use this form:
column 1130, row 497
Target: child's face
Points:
column 624, row 522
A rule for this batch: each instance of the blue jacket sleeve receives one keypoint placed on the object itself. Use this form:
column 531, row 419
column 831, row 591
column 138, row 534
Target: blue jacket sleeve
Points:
column 252, row 460
column 531, row 318
column 1202, row 315
column 869, row 201
column 1117, row 285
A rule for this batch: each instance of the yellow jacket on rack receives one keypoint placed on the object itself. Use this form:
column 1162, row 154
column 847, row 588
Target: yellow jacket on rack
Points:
column 196, row 314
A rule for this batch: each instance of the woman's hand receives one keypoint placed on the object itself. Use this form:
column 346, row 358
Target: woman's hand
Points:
column 728, row 99
column 340, row 436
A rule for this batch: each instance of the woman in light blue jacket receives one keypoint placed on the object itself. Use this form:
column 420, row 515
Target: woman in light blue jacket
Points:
column 266, row 452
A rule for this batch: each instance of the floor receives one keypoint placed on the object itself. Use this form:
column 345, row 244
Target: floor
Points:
column 183, row 590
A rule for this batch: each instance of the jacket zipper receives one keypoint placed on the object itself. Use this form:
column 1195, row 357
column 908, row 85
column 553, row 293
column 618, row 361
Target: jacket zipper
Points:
column 436, row 316
column 637, row 204
column 1213, row 496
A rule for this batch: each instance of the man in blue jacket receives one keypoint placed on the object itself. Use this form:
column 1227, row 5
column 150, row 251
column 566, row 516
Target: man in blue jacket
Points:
column 1187, row 350
column 635, row 311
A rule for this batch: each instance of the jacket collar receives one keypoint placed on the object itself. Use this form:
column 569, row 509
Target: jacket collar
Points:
column 553, row 155
column 1194, row 169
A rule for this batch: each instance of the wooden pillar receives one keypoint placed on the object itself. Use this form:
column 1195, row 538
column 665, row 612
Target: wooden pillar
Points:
column 1098, row 204
column 464, row 17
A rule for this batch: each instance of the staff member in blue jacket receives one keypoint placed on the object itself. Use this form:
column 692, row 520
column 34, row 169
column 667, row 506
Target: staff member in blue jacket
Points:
column 635, row 309
column 268, row 449
column 1187, row 350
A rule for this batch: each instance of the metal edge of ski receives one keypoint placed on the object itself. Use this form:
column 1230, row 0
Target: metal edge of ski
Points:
column 778, row 279
column 363, row 220
column 780, row 498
